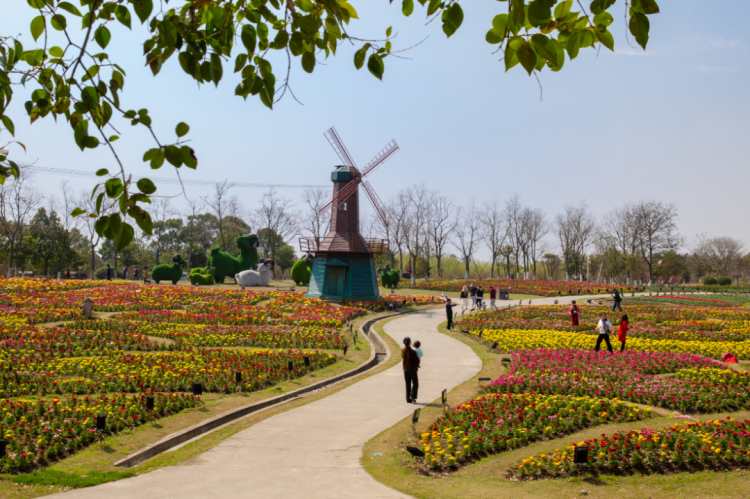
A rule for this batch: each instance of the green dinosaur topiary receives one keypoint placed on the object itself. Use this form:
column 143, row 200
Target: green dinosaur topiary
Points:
column 225, row 264
column 389, row 278
column 166, row 272
column 201, row 277
column 301, row 271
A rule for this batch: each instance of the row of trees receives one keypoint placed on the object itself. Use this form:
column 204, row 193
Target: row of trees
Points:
column 428, row 232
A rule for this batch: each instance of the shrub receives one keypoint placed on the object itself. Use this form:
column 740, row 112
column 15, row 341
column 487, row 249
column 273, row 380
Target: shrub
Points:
column 709, row 280
column 724, row 281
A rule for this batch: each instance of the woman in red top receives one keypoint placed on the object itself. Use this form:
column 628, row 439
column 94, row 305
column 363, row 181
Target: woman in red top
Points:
column 574, row 313
column 622, row 334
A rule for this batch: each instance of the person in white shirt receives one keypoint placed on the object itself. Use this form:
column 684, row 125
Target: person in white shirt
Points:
column 605, row 329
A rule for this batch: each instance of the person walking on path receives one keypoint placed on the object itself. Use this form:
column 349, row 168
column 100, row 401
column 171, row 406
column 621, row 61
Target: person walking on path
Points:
column 449, row 313
column 574, row 314
column 125, row 273
column 473, row 294
column 67, row 274
column 493, row 295
column 411, row 366
column 622, row 333
column 146, row 280
column 109, row 272
column 605, row 328
column 464, row 298
column 418, row 349
column 480, row 297
column 135, row 274
column 616, row 304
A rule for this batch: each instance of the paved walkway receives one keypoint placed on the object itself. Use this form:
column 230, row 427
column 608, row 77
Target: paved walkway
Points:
column 314, row 450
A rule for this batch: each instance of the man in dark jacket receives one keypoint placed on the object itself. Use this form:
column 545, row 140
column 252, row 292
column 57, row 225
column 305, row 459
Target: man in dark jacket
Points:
column 616, row 304
column 449, row 312
column 411, row 365
column 109, row 273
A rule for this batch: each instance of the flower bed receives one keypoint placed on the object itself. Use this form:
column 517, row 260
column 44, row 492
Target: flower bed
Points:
column 719, row 445
column 393, row 299
column 497, row 422
column 40, row 431
column 630, row 376
column 21, row 373
column 683, row 300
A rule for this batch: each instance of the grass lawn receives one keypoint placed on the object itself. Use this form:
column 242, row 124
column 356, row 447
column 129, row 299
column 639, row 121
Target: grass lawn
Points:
column 95, row 465
column 486, row 478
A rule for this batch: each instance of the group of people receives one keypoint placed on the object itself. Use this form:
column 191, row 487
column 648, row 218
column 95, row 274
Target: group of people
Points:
column 604, row 325
column 476, row 293
column 136, row 274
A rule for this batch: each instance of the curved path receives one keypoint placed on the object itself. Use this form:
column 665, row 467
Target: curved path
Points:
column 314, row 450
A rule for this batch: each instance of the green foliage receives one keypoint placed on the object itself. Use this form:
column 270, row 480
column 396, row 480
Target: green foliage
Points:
column 166, row 272
column 201, row 277
column 723, row 280
column 80, row 84
column 47, row 476
column 389, row 278
column 225, row 265
column 709, row 280
column 301, row 271
column 284, row 257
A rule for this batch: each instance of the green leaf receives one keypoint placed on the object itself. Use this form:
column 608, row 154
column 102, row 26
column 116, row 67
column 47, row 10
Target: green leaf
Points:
column 604, row 18
column 172, row 153
column 432, row 7
column 518, row 14
column 123, row 237
column 526, row 56
column 101, row 225
column 539, row 13
column 102, row 172
column 511, row 57
column 9, row 125
column 376, row 66
column 453, row 19
column 188, row 157
column 407, row 7
column 544, row 48
column 70, row 8
column 102, row 36
column 240, row 62
column 37, row 27
column 308, row 62
column 143, row 9
column 639, row 26
column 77, row 212
column 359, row 56
column 573, row 45
column 123, row 15
column 608, row 40
column 389, row 31
column 305, row 5
column 146, row 186
column 560, row 55
column 113, row 187
column 563, row 9
column 248, row 36
column 56, row 52
column 645, row 6
column 182, row 129
column 58, row 22
column 142, row 218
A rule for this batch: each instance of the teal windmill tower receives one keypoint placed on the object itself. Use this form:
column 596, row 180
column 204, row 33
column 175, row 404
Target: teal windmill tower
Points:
column 343, row 261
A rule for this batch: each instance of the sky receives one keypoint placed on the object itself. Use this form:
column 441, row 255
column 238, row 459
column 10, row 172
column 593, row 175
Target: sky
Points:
column 670, row 123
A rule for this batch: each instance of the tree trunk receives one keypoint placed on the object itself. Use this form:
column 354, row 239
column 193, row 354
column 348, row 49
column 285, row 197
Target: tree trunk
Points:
column 466, row 270
column 93, row 262
column 439, row 266
column 492, row 268
column 413, row 261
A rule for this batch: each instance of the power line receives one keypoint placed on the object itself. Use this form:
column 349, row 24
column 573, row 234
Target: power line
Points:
column 173, row 181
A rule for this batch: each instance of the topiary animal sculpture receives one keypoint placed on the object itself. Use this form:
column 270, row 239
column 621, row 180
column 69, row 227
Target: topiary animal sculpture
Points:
column 201, row 277
column 261, row 277
column 389, row 278
column 301, row 271
column 166, row 272
column 225, row 264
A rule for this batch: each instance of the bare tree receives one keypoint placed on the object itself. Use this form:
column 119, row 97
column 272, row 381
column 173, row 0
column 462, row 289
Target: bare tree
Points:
column 574, row 228
column 537, row 228
column 191, row 232
column 619, row 225
column 222, row 204
column 656, row 230
column 514, row 217
column 398, row 210
column 17, row 200
column 494, row 231
column 315, row 222
column 720, row 255
column 441, row 226
column 68, row 223
column 274, row 221
column 418, row 205
column 467, row 234
column 87, row 202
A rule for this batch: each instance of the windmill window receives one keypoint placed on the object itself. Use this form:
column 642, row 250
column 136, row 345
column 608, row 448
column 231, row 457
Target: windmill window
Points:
column 342, row 207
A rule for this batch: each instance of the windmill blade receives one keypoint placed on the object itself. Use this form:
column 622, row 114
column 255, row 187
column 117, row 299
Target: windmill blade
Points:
column 339, row 147
column 376, row 203
column 342, row 195
column 381, row 157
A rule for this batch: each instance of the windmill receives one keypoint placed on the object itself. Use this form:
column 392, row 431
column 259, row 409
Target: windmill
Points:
column 344, row 262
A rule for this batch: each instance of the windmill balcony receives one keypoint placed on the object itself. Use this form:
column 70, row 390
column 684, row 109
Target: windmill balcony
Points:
column 343, row 244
